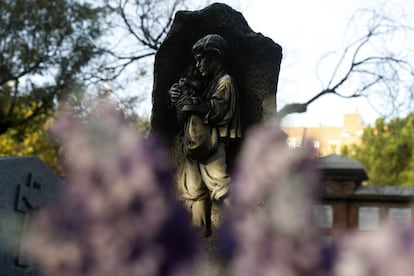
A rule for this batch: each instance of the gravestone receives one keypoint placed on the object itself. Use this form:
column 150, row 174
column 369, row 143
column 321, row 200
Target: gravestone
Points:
column 26, row 184
column 255, row 65
column 209, row 112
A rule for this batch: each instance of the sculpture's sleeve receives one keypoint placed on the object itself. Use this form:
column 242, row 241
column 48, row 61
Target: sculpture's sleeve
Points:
column 222, row 102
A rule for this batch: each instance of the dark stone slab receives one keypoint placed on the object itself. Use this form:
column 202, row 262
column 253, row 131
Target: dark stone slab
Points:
column 254, row 64
column 338, row 162
column 342, row 168
column 388, row 192
column 26, row 184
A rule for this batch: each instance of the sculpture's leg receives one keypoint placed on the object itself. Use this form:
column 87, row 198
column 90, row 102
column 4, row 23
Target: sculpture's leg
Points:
column 201, row 212
column 214, row 174
column 196, row 195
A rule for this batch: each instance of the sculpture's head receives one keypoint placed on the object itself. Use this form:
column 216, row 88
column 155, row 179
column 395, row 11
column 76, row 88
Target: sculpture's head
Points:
column 210, row 53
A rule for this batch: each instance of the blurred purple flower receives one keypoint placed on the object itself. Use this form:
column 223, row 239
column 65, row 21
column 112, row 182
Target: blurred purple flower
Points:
column 119, row 215
column 116, row 217
column 270, row 229
column 387, row 251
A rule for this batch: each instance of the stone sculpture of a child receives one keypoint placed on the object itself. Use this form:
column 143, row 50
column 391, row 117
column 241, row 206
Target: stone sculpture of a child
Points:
column 211, row 119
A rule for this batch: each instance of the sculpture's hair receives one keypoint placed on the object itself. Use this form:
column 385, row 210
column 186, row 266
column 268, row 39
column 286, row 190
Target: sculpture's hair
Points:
column 212, row 43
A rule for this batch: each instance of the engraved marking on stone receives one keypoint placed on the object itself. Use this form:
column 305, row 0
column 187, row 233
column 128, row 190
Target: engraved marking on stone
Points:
column 29, row 197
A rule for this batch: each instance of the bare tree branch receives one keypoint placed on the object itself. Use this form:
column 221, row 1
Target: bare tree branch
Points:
column 367, row 66
column 138, row 28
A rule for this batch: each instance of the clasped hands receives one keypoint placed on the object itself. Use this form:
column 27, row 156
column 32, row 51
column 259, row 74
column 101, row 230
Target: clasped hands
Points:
column 193, row 105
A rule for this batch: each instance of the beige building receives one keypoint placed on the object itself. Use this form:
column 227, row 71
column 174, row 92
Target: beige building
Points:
column 327, row 140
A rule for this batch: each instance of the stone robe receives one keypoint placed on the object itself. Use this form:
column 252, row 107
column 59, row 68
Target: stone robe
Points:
column 202, row 180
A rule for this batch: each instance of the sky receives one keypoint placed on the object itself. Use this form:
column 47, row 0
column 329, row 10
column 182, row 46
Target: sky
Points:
column 308, row 30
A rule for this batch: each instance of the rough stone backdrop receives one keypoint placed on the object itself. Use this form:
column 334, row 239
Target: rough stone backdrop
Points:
column 254, row 63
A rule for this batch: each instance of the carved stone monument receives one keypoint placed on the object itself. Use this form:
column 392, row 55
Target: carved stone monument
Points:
column 214, row 77
column 26, row 183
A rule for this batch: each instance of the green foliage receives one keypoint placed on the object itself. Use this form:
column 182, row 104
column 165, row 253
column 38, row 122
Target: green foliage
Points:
column 387, row 151
column 34, row 142
column 44, row 46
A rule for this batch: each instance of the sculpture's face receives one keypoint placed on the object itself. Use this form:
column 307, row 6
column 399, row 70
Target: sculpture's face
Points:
column 207, row 64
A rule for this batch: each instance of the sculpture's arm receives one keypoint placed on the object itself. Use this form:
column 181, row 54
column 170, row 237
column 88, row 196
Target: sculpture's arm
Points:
column 222, row 102
column 196, row 107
